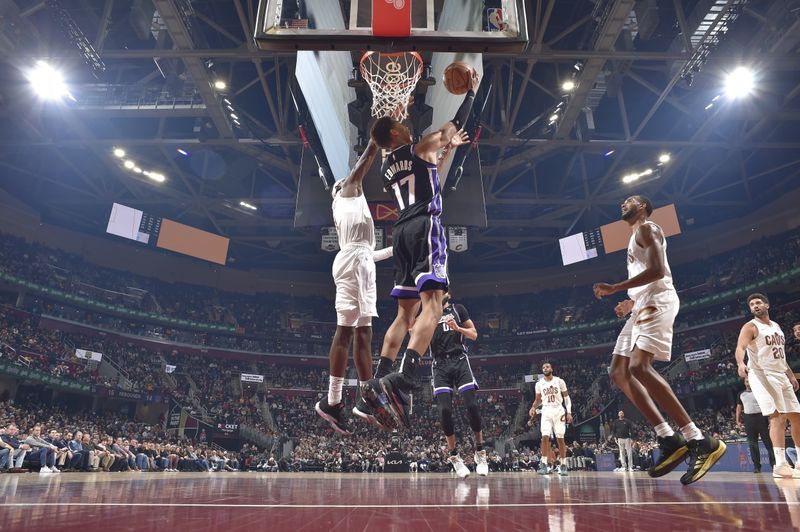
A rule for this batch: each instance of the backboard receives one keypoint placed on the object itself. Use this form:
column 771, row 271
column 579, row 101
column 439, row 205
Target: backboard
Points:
column 476, row 26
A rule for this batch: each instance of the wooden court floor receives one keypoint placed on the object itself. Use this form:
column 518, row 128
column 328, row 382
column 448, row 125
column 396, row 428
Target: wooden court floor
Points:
column 393, row 502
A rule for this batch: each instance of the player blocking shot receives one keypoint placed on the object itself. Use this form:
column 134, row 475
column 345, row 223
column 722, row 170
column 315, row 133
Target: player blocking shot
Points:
column 356, row 297
column 771, row 379
column 556, row 405
column 452, row 373
column 410, row 173
column 647, row 336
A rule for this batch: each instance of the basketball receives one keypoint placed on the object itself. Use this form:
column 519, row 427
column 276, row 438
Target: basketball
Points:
column 459, row 77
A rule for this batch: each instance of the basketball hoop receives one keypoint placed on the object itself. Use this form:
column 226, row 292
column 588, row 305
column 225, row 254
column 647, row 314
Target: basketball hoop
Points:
column 392, row 78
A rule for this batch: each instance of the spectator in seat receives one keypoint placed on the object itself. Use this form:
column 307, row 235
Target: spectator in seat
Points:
column 46, row 450
column 103, row 453
column 80, row 457
column 54, row 438
column 18, row 450
column 88, row 446
column 120, row 454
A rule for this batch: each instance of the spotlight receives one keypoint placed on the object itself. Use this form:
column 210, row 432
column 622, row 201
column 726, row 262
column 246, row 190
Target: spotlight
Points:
column 630, row 178
column 553, row 118
column 183, row 152
column 649, row 171
column 159, row 178
column 234, row 116
column 130, row 165
column 137, row 169
column 664, row 158
column 220, row 85
column 248, row 206
column 567, row 86
column 119, row 152
column 740, row 82
column 47, row 82
column 609, row 153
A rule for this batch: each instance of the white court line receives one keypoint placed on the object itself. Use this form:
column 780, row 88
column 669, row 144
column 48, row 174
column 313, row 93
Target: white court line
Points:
column 350, row 506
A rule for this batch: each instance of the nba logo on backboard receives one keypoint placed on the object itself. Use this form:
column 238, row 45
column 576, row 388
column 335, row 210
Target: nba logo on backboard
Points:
column 495, row 20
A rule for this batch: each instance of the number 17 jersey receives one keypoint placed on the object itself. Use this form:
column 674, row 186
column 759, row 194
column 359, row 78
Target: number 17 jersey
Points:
column 414, row 183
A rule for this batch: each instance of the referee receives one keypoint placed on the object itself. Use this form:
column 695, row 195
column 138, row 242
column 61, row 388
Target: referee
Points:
column 755, row 424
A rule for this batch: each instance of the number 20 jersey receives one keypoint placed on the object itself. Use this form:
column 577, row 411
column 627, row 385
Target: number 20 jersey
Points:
column 413, row 182
column 766, row 351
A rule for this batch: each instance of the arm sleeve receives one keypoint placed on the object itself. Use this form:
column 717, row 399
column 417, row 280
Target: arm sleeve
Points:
column 382, row 254
column 463, row 315
column 568, row 404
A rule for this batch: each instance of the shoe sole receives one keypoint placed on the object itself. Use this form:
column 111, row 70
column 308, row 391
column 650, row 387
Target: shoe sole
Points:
column 370, row 419
column 331, row 420
column 712, row 459
column 668, row 465
column 380, row 407
column 395, row 406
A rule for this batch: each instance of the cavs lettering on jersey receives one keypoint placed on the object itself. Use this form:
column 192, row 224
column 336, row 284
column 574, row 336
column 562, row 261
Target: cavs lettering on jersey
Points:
column 767, row 351
column 413, row 182
column 637, row 263
column 552, row 392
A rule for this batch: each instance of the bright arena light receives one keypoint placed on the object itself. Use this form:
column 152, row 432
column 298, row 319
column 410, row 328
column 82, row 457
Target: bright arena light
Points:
column 130, row 165
column 47, row 82
column 155, row 176
column 553, row 118
column 568, row 86
column 664, row 158
column 220, row 85
column 740, row 82
column 248, row 205
column 119, row 152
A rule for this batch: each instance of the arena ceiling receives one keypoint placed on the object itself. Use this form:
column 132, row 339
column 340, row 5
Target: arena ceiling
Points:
column 542, row 180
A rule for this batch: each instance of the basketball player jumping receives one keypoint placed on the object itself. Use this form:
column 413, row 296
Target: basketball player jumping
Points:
column 552, row 395
column 451, row 371
column 354, row 275
column 771, row 379
column 647, row 336
column 420, row 255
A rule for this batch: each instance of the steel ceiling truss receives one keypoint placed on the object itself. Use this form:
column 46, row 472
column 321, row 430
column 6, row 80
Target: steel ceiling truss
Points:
column 515, row 150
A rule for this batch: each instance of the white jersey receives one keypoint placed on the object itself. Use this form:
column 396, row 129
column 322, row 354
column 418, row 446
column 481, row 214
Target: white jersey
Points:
column 637, row 263
column 354, row 225
column 767, row 351
column 552, row 392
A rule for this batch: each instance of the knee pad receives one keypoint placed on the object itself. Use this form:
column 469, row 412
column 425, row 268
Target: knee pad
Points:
column 473, row 413
column 446, row 413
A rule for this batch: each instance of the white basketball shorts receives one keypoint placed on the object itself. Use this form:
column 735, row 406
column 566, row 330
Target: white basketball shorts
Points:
column 649, row 326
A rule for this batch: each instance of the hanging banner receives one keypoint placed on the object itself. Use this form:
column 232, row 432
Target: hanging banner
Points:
column 169, row 368
column 697, row 355
column 330, row 241
column 457, row 238
column 88, row 355
column 248, row 377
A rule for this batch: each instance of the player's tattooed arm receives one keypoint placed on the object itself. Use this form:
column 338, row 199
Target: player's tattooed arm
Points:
column 746, row 335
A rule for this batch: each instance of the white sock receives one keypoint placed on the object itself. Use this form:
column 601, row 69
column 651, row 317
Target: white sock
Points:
column 335, row 390
column 780, row 456
column 664, row 430
column 691, row 432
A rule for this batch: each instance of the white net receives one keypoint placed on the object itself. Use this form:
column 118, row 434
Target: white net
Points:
column 392, row 78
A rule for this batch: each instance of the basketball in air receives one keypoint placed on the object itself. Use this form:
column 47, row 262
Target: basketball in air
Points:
column 459, row 77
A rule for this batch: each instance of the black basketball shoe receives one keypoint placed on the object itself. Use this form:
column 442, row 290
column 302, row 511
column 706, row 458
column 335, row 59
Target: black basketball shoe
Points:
column 703, row 454
column 363, row 411
column 333, row 415
column 376, row 400
column 398, row 390
column 673, row 449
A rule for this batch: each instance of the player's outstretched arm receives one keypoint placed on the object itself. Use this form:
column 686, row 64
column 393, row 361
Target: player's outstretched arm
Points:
column 382, row 254
column 430, row 144
column 651, row 239
column 746, row 335
column 351, row 187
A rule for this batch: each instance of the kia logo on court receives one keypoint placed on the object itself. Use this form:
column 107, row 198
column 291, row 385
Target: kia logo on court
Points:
column 398, row 4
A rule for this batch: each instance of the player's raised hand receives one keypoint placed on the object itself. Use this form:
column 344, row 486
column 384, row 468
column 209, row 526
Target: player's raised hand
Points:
column 461, row 137
column 603, row 289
